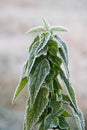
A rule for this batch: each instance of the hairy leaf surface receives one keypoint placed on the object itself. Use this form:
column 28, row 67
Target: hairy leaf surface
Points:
column 62, row 123
column 73, row 100
column 55, row 105
column 58, row 28
column 66, row 114
column 20, row 87
column 51, row 121
column 53, row 47
column 65, row 98
column 55, row 60
column 63, row 52
column 36, row 29
column 37, row 78
column 70, row 89
column 22, row 83
column 40, row 104
column 63, row 46
column 36, row 48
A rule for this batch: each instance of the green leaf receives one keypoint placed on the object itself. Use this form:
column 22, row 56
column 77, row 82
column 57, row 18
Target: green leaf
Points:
column 80, row 122
column 73, row 102
column 44, row 38
column 60, row 112
column 51, row 121
column 43, row 51
column 46, row 25
column 39, row 106
column 66, row 114
column 65, row 98
column 62, row 123
column 36, row 49
column 51, row 74
column 52, row 47
column 69, row 88
column 55, row 60
column 63, row 46
column 34, row 42
column 55, row 105
column 49, row 85
column 57, row 86
column 63, row 52
column 25, row 70
column 63, row 56
column 58, row 28
column 43, row 115
column 42, row 126
column 23, row 81
column 37, row 78
column 36, row 29
column 20, row 87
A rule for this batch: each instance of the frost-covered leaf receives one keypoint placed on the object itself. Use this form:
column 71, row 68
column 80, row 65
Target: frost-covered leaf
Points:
column 52, row 47
column 55, row 60
column 43, row 115
column 66, row 114
column 70, row 89
column 58, row 28
column 36, row 48
column 62, row 123
column 37, row 78
column 39, row 106
column 51, row 75
column 49, row 85
column 73, row 101
column 63, row 56
column 42, row 126
column 36, row 29
column 56, row 85
column 55, row 105
column 46, row 25
column 25, row 70
column 63, row 52
column 65, row 98
column 62, row 45
column 20, row 87
column 80, row 120
column 34, row 42
column 51, row 121
column 22, row 83
column 43, row 51
column 60, row 112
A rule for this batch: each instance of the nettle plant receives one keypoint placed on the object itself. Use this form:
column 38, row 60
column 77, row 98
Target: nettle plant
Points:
column 46, row 73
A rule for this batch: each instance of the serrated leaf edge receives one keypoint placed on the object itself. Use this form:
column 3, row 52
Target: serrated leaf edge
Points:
column 33, row 124
column 40, row 84
column 38, row 52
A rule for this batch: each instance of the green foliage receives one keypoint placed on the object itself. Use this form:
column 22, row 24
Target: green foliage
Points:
column 33, row 113
column 46, row 67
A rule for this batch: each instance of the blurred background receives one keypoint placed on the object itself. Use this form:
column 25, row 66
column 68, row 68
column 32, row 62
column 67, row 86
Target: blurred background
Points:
column 16, row 17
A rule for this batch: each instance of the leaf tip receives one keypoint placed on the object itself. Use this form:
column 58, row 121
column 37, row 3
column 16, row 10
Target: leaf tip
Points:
column 46, row 24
